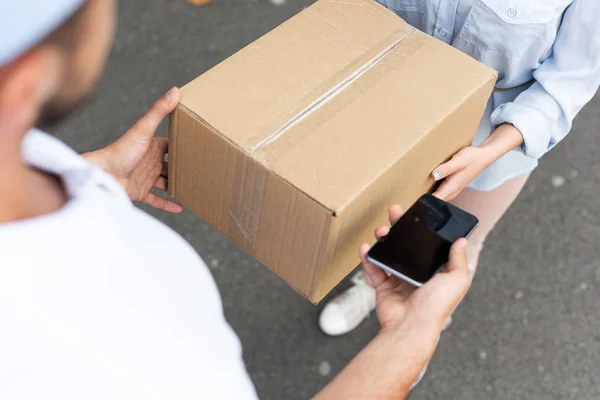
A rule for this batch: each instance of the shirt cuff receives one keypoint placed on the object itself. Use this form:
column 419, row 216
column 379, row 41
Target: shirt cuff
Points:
column 532, row 124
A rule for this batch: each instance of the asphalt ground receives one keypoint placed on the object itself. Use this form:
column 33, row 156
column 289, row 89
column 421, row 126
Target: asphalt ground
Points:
column 528, row 329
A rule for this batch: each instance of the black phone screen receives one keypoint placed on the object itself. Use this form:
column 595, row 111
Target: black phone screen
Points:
column 418, row 245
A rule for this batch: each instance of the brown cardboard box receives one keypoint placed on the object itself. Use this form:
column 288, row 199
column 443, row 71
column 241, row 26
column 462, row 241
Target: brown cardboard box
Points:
column 295, row 146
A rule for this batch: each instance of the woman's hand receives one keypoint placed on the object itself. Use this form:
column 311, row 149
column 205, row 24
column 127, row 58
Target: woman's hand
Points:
column 460, row 171
column 136, row 159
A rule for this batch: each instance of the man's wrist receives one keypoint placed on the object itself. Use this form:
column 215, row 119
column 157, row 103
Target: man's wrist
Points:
column 387, row 367
column 407, row 351
column 416, row 343
column 98, row 158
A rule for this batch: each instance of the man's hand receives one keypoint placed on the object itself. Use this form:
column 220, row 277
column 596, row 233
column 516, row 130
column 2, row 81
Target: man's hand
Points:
column 411, row 322
column 136, row 159
column 423, row 311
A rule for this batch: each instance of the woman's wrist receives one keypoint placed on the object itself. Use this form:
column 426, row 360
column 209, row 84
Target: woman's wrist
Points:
column 505, row 138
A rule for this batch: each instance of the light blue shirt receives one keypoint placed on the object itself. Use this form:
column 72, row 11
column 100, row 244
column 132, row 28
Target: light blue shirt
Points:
column 546, row 52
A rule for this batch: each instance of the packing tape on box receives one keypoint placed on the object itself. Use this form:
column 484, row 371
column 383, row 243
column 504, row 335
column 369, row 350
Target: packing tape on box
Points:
column 244, row 214
column 328, row 96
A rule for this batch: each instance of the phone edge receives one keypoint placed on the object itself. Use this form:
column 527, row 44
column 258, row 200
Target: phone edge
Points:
column 393, row 272
column 472, row 230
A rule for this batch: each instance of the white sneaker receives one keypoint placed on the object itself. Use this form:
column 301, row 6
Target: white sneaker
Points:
column 348, row 309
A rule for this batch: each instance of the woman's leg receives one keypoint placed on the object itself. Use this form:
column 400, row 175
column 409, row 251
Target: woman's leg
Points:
column 489, row 207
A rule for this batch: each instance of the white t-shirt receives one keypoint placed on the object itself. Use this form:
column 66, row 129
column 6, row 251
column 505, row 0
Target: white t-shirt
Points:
column 101, row 301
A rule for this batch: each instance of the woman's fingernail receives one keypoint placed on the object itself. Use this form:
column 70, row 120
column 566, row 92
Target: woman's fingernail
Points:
column 169, row 95
column 437, row 174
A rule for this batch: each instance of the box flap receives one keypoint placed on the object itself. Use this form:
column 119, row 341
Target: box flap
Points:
column 291, row 68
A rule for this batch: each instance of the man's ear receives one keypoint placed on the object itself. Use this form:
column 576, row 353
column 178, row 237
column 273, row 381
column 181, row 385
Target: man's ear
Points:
column 25, row 85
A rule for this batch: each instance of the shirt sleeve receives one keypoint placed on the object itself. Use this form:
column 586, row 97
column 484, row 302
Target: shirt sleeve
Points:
column 564, row 83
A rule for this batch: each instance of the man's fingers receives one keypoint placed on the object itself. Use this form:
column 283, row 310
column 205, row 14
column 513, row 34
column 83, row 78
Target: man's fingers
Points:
column 456, row 278
column 458, row 257
column 147, row 125
column 373, row 275
column 395, row 212
column 163, row 143
column 447, row 289
column 376, row 276
column 161, row 184
column 362, row 252
column 162, row 204
column 381, row 232
column 165, row 169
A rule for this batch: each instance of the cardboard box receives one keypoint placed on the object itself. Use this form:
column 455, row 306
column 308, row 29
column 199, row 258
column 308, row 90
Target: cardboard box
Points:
column 295, row 146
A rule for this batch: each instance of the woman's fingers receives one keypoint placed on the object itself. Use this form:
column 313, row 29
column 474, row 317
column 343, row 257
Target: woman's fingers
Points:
column 451, row 187
column 456, row 163
column 445, row 191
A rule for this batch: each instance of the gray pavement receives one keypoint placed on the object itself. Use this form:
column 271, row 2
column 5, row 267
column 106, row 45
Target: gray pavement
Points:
column 530, row 326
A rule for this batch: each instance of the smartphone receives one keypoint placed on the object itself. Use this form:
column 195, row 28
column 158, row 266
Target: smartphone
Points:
column 418, row 245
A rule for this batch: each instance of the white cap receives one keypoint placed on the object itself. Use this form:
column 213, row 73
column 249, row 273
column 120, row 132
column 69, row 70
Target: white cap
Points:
column 24, row 23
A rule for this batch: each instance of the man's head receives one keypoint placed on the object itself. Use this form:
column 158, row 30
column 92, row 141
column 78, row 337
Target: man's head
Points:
column 57, row 59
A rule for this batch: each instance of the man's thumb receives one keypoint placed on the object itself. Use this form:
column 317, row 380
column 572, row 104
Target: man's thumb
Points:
column 458, row 257
column 147, row 125
column 450, row 286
